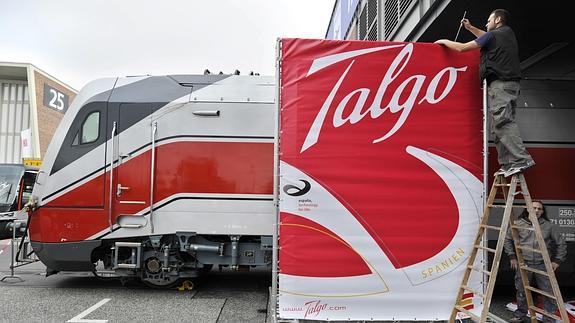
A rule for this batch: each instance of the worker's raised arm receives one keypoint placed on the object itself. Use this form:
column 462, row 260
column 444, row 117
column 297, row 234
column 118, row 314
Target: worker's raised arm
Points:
column 460, row 47
column 474, row 30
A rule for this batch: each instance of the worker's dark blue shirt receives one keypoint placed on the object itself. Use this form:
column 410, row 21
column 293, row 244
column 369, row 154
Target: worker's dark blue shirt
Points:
column 485, row 39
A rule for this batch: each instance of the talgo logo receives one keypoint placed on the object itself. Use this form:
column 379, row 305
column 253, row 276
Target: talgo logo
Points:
column 313, row 308
column 293, row 190
column 403, row 99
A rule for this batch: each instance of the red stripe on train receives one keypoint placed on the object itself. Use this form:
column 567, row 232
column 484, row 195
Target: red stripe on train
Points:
column 181, row 167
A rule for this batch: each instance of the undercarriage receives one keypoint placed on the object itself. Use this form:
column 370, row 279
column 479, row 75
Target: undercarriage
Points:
column 162, row 260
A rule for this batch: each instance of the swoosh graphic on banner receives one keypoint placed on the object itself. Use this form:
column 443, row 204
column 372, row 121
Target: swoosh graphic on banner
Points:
column 466, row 190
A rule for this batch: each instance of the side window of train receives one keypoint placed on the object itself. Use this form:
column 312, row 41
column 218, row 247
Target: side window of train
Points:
column 89, row 131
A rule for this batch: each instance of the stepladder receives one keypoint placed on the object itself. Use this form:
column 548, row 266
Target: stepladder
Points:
column 516, row 196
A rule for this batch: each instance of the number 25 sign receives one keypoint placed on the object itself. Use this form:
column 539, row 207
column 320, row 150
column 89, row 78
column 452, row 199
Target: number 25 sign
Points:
column 55, row 99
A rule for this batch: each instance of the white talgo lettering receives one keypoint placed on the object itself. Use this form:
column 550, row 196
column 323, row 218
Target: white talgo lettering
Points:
column 412, row 84
column 429, row 94
column 356, row 114
column 405, row 108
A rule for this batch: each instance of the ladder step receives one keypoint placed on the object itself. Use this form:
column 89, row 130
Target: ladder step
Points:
column 528, row 249
column 490, row 227
column 485, row 248
column 522, row 228
column 502, row 185
column 469, row 289
column 538, row 291
column 543, row 312
column 540, row 272
column 463, row 310
column 488, row 273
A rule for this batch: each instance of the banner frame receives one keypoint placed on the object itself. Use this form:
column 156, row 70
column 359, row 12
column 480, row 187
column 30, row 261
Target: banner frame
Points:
column 275, row 249
column 274, row 295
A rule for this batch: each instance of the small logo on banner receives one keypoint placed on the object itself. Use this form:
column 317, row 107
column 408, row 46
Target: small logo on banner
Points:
column 293, row 190
column 314, row 308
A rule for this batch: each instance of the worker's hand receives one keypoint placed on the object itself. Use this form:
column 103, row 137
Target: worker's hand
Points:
column 440, row 41
column 465, row 23
column 554, row 265
column 513, row 263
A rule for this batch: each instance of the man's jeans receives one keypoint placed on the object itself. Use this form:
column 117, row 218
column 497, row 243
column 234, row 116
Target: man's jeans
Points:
column 543, row 284
column 502, row 96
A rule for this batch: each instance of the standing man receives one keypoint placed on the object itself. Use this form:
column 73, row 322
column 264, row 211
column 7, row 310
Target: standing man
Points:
column 500, row 68
column 557, row 248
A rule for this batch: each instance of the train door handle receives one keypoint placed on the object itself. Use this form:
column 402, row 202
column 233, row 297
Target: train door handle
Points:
column 121, row 188
column 207, row 113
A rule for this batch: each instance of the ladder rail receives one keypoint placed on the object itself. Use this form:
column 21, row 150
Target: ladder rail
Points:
column 509, row 194
column 523, row 273
column 519, row 256
column 545, row 253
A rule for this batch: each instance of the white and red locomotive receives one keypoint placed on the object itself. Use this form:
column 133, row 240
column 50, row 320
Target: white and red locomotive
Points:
column 160, row 177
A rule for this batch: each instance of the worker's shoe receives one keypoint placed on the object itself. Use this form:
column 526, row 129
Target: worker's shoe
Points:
column 501, row 171
column 519, row 169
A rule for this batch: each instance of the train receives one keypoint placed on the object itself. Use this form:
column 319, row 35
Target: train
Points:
column 160, row 178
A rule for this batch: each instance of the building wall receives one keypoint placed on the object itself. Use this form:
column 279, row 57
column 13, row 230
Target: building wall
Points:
column 14, row 117
column 391, row 20
column 48, row 117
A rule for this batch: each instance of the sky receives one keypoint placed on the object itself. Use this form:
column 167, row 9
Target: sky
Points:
column 79, row 41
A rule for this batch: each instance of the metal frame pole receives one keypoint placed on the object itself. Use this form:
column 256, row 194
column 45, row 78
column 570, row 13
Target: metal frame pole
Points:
column 12, row 276
column 275, row 257
column 485, row 144
column 485, row 171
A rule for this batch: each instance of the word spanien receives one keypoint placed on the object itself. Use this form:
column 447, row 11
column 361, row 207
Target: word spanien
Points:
column 444, row 265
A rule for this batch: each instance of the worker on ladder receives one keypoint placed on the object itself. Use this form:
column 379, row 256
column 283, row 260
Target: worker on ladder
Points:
column 557, row 247
column 500, row 68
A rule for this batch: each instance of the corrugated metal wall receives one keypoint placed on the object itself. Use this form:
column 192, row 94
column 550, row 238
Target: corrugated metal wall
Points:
column 14, row 117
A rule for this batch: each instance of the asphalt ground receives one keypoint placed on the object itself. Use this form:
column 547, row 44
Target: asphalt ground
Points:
column 216, row 297
column 80, row 297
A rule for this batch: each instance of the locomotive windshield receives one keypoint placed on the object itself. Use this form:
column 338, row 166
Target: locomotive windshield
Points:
column 10, row 176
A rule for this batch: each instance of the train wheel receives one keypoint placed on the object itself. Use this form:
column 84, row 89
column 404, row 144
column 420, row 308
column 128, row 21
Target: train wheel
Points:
column 153, row 275
column 161, row 283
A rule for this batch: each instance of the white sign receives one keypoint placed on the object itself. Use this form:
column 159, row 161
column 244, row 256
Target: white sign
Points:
column 26, row 142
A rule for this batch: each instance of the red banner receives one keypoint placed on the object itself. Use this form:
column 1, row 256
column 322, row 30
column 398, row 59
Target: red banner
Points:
column 381, row 165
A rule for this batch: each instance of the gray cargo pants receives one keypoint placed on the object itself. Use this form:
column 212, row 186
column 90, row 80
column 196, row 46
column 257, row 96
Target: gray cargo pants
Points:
column 502, row 96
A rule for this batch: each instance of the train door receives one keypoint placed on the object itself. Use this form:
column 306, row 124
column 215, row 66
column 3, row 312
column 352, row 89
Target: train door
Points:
column 131, row 189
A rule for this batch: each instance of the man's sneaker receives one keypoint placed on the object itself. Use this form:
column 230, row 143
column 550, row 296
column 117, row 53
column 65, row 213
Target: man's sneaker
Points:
column 519, row 169
column 501, row 171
